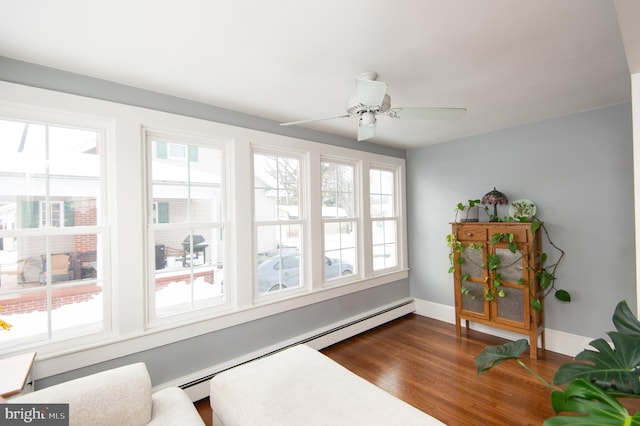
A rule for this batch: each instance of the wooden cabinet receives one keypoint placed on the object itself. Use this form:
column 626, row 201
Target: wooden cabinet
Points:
column 495, row 267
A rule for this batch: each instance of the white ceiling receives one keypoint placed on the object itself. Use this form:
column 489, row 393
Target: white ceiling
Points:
column 508, row 61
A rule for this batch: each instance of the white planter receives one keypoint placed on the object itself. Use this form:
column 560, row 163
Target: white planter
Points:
column 469, row 214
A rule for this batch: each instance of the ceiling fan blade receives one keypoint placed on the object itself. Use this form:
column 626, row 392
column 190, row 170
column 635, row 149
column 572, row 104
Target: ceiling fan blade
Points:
column 366, row 132
column 369, row 92
column 427, row 113
column 293, row 123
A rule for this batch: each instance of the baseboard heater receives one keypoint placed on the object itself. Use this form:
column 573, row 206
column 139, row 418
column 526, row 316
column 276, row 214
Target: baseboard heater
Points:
column 377, row 318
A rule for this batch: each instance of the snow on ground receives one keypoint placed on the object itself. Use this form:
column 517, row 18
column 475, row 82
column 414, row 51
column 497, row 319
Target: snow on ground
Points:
column 30, row 324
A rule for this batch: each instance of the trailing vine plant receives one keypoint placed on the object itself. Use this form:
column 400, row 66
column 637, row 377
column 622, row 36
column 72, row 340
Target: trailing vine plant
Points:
column 546, row 274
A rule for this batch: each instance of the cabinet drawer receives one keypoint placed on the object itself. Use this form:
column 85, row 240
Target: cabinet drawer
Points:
column 519, row 233
column 470, row 232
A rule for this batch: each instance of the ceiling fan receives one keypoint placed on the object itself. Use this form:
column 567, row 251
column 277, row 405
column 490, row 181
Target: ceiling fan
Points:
column 372, row 100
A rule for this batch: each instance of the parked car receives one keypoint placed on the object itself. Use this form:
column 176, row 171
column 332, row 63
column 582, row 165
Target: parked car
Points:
column 280, row 250
column 284, row 272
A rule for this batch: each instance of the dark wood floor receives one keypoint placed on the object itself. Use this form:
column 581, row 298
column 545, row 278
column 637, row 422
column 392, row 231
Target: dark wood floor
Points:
column 423, row 362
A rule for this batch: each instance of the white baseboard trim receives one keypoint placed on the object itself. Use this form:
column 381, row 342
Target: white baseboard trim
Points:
column 196, row 385
column 556, row 341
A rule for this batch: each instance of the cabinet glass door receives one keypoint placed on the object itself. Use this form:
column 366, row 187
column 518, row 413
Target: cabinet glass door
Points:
column 473, row 287
column 510, row 306
column 473, row 262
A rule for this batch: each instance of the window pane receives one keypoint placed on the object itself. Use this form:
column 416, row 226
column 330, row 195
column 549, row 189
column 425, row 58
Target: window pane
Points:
column 68, row 266
column 340, row 236
column 50, row 176
column 337, row 190
column 188, row 270
column 384, row 237
column 277, row 193
column 384, row 244
column 382, row 193
column 51, row 281
column 186, row 222
column 340, row 251
column 277, row 199
column 185, row 190
column 178, row 151
column 384, row 232
column 278, row 257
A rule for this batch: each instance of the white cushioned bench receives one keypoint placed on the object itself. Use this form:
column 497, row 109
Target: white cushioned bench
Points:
column 301, row 386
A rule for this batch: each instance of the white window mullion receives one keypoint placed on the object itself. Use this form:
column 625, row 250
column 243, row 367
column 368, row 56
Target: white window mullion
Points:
column 366, row 255
column 241, row 243
column 401, row 205
column 314, row 224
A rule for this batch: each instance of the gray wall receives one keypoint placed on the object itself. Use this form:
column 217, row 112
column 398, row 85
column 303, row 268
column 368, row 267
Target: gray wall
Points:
column 182, row 358
column 577, row 169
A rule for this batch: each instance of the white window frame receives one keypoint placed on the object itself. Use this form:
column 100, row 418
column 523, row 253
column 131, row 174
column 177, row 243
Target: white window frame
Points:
column 356, row 219
column 154, row 213
column 103, row 127
column 179, row 138
column 301, row 221
column 396, row 217
column 123, row 228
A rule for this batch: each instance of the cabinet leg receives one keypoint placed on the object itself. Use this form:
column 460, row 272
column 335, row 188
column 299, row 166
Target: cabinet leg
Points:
column 533, row 345
column 533, row 353
column 466, row 326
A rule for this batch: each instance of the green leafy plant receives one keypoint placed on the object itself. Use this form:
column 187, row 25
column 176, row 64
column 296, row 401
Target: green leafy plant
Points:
column 594, row 381
column 545, row 274
column 470, row 203
column 461, row 207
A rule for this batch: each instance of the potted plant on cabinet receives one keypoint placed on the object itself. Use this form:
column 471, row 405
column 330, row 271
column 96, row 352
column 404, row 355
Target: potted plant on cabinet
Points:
column 468, row 212
column 545, row 273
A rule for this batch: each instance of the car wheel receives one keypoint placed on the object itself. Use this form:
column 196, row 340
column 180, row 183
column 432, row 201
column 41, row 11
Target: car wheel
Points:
column 347, row 272
column 278, row 287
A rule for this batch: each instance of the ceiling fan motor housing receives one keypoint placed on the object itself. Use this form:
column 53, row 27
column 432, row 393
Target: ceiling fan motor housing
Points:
column 357, row 108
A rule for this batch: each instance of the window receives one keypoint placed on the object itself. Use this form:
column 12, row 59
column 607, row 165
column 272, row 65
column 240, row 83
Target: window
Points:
column 52, row 217
column 339, row 219
column 175, row 151
column 160, row 212
column 191, row 256
column 384, row 222
column 51, row 235
column 186, row 226
column 278, row 222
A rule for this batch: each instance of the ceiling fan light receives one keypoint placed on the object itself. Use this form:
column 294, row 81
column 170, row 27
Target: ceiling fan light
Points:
column 368, row 119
